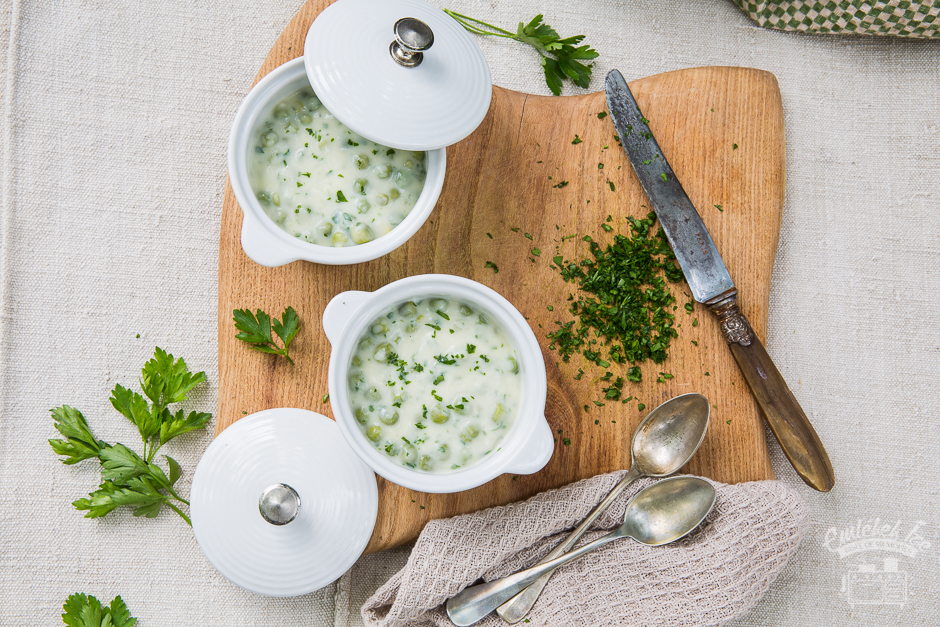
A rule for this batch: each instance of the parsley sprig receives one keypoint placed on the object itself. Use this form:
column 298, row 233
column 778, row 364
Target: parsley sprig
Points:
column 87, row 611
column 256, row 331
column 129, row 479
column 561, row 59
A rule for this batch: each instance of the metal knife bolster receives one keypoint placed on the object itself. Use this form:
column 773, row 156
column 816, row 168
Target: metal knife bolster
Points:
column 695, row 251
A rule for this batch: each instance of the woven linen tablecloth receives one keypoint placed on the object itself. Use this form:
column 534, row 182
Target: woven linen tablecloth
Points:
column 113, row 138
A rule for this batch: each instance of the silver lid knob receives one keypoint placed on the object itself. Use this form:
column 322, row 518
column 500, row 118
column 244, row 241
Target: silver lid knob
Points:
column 412, row 38
column 279, row 504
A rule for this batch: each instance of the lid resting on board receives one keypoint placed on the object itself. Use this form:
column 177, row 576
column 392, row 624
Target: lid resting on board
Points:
column 242, row 537
column 349, row 59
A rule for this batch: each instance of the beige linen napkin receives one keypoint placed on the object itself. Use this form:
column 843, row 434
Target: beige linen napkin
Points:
column 714, row 575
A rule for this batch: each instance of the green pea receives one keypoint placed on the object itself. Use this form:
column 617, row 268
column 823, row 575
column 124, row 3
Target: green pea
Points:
column 362, row 415
column 443, row 451
column 305, row 118
column 399, row 177
column 361, row 161
column 513, row 365
column 438, row 304
column 409, row 164
column 313, row 104
column 380, row 199
column 394, row 193
column 269, row 139
column 412, row 326
column 282, row 111
column 374, row 433
column 264, row 197
column 324, row 228
column 356, row 361
column 388, row 416
column 392, row 450
column 465, row 311
column 361, row 233
column 408, row 309
column 419, row 156
column 339, row 239
column 382, row 352
column 365, row 343
column 469, row 433
column 439, row 414
column 379, row 328
column 276, row 199
column 425, row 462
column 383, row 171
column 356, row 379
column 409, row 454
column 359, row 185
column 373, row 394
column 363, row 206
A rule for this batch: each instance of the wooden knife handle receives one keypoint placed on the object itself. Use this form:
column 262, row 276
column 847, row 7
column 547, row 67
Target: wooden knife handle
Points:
column 782, row 411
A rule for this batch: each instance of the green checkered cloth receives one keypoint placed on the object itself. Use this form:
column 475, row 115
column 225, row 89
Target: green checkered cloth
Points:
column 895, row 17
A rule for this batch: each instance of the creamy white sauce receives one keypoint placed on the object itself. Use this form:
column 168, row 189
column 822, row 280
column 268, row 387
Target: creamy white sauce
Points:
column 324, row 184
column 435, row 385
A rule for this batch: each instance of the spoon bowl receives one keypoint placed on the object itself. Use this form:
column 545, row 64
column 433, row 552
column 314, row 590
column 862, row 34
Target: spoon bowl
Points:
column 670, row 434
column 668, row 510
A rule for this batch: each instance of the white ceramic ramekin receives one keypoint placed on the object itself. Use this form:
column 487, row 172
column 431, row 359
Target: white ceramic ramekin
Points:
column 527, row 446
column 263, row 240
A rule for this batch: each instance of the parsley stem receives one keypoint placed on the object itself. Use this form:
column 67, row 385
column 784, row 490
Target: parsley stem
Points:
column 465, row 20
column 154, row 447
column 178, row 511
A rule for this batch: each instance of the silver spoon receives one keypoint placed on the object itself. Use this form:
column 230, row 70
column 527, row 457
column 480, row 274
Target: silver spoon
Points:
column 662, row 444
column 664, row 512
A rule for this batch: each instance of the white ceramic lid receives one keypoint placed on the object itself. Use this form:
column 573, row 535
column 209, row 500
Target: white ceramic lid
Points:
column 430, row 106
column 338, row 503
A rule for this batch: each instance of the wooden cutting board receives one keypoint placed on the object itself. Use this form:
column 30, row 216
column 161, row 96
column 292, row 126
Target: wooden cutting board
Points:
column 721, row 129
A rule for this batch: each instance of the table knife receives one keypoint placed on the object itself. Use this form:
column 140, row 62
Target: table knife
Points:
column 712, row 286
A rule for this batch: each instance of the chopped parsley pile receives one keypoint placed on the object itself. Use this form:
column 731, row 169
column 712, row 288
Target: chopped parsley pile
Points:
column 623, row 307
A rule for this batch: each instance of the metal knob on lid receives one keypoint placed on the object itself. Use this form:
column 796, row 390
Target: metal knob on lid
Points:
column 412, row 38
column 279, row 504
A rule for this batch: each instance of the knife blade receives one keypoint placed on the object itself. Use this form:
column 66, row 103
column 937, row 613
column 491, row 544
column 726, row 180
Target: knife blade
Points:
column 712, row 286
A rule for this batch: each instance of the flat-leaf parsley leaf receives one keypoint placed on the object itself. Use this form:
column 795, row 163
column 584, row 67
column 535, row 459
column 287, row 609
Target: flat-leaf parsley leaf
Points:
column 255, row 330
column 87, row 611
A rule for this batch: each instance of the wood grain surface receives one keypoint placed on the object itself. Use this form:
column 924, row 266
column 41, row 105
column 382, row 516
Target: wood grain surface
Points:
column 502, row 177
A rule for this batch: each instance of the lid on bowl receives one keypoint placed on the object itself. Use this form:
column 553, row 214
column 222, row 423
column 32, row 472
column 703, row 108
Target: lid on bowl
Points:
column 399, row 72
column 281, row 505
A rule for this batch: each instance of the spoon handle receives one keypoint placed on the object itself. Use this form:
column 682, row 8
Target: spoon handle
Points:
column 515, row 609
column 475, row 602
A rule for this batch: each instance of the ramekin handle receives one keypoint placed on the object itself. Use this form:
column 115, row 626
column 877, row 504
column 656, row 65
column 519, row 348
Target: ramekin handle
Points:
column 262, row 247
column 339, row 311
column 536, row 452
